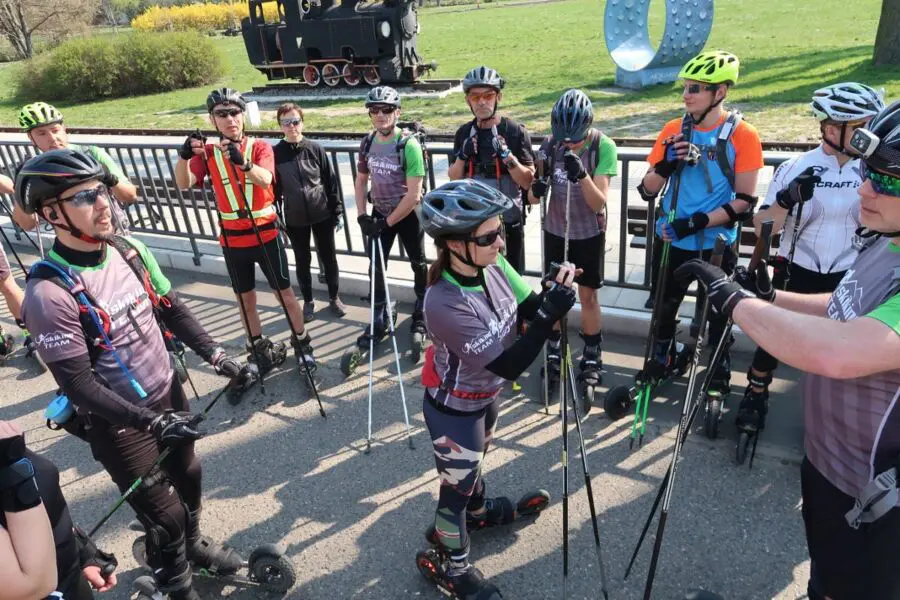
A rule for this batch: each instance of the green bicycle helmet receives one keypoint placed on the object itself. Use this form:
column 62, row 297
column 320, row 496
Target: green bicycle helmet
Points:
column 714, row 67
column 38, row 114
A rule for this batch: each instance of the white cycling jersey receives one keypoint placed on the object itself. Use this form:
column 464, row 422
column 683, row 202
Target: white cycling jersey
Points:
column 826, row 240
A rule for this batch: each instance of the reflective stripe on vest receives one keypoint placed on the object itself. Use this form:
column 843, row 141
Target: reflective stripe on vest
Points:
column 236, row 211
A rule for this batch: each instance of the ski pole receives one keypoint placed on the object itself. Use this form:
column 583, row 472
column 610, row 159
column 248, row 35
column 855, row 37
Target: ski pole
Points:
column 372, row 251
column 716, row 260
column 546, row 378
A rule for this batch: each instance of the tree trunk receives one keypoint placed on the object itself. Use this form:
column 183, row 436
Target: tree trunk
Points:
column 887, row 40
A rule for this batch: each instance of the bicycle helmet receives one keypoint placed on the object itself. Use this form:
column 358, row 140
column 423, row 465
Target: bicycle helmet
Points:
column 225, row 95
column 38, row 114
column 571, row 117
column 45, row 177
column 879, row 141
column 844, row 102
column 483, row 77
column 457, row 208
column 714, row 67
column 383, row 94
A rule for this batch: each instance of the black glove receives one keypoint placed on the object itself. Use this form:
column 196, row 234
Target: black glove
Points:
column 225, row 365
column 376, row 226
column 365, row 224
column 187, row 151
column 575, row 170
column 176, row 428
column 468, row 150
column 723, row 293
column 109, row 179
column 89, row 555
column 799, row 190
column 234, row 154
column 501, row 148
column 556, row 302
column 756, row 282
column 539, row 187
column 681, row 228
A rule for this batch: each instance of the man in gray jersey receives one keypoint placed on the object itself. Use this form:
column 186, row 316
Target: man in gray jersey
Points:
column 848, row 343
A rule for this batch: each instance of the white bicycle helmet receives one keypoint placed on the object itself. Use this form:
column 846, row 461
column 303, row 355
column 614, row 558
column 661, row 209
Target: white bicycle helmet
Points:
column 843, row 102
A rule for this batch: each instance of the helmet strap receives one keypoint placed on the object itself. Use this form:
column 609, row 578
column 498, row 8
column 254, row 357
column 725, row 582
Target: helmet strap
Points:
column 77, row 233
column 711, row 106
column 839, row 147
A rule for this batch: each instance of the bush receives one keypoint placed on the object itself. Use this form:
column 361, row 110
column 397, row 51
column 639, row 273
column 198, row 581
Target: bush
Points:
column 122, row 65
column 202, row 17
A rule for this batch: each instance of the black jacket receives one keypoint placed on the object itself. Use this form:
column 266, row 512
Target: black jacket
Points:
column 306, row 186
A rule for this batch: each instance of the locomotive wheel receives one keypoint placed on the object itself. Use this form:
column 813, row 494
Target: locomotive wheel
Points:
column 331, row 75
column 371, row 75
column 311, row 75
column 351, row 75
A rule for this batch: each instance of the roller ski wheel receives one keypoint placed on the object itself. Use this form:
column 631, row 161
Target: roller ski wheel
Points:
column 470, row 586
column 550, row 390
column 617, row 402
column 350, row 361
column 587, row 398
column 429, row 564
column 271, row 569
column 713, row 415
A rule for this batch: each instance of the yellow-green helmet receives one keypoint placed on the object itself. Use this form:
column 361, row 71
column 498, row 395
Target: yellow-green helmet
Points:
column 37, row 114
column 715, row 66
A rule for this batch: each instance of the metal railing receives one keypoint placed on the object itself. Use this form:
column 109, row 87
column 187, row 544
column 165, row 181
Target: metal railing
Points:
column 166, row 210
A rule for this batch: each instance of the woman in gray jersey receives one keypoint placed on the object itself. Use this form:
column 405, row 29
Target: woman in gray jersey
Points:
column 814, row 201
column 848, row 343
column 472, row 301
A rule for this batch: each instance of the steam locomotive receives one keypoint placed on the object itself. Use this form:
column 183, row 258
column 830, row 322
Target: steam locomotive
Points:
column 336, row 42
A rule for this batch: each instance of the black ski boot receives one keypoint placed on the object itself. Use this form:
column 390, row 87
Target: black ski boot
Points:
column 7, row 343
column 716, row 394
column 351, row 359
column 751, row 414
column 303, row 352
column 418, row 331
column 204, row 553
column 268, row 354
column 461, row 584
column 551, row 372
column 590, row 370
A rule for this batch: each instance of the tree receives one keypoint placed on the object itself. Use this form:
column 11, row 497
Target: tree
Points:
column 114, row 10
column 887, row 40
column 21, row 19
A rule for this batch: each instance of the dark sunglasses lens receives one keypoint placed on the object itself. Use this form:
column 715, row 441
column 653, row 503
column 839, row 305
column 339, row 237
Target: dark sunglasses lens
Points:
column 290, row 122
column 487, row 239
column 222, row 114
column 87, row 197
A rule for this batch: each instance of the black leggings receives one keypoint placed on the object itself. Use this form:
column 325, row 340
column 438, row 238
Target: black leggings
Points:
column 515, row 245
column 460, row 441
column 323, row 233
column 802, row 281
column 412, row 236
column 162, row 505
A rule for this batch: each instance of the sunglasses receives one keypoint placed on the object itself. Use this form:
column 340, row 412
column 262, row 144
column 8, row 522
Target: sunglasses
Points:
column 487, row 239
column 385, row 110
column 696, row 88
column 87, row 197
column 225, row 113
column 881, row 183
column 291, row 122
column 479, row 96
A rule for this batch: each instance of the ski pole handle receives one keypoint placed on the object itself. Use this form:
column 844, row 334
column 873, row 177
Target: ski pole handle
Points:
column 763, row 244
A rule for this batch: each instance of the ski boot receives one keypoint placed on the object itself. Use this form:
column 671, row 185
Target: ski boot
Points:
column 751, row 415
column 267, row 568
column 7, row 343
column 418, row 331
column 716, row 394
column 205, row 553
column 351, row 359
column 499, row 511
column 550, row 373
column 269, row 355
column 303, row 352
column 590, row 371
column 670, row 359
column 465, row 584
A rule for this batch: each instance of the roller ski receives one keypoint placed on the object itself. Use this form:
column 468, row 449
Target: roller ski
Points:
column 263, row 356
column 353, row 358
column 500, row 511
column 267, row 568
column 751, row 416
column 468, row 584
column 418, row 334
column 715, row 394
column 590, row 371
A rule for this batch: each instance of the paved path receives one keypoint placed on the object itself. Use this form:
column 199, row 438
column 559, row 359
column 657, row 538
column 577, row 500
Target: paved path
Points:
column 275, row 471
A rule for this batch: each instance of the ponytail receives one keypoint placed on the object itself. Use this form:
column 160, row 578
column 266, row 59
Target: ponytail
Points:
column 441, row 263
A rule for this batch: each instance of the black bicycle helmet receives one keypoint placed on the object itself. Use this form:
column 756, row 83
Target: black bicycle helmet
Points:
column 880, row 147
column 459, row 207
column 225, row 95
column 46, row 176
column 383, row 94
column 483, row 77
column 572, row 116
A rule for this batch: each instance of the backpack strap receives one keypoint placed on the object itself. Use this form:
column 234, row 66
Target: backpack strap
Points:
column 367, row 145
column 725, row 132
column 131, row 256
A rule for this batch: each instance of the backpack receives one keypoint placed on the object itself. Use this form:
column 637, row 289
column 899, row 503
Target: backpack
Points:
column 732, row 120
column 411, row 129
column 593, row 152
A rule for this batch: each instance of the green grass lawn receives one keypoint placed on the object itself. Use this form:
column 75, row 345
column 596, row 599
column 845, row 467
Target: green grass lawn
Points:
column 787, row 49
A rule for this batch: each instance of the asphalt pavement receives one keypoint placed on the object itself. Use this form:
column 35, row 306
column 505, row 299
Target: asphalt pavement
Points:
column 276, row 471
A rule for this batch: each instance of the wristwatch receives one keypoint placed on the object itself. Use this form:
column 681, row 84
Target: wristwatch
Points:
column 511, row 161
column 246, row 166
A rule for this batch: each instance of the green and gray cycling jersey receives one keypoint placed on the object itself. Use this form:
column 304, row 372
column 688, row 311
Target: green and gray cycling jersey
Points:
column 52, row 315
column 103, row 157
column 387, row 181
column 470, row 329
column 853, row 425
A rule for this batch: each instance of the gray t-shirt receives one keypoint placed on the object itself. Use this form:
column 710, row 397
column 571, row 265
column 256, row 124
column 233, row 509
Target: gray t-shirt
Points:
column 386, row 178
column 52, row 315
column 853, row 425
column 469, row 332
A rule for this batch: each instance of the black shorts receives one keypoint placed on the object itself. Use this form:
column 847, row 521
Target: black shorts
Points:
column 803, row 281
column 585, row 254
column 242, row 266
column 847, row 563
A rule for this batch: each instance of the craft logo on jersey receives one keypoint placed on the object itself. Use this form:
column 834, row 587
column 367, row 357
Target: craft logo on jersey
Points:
column 845, row 302
column 497, row 329
column 54, row 339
